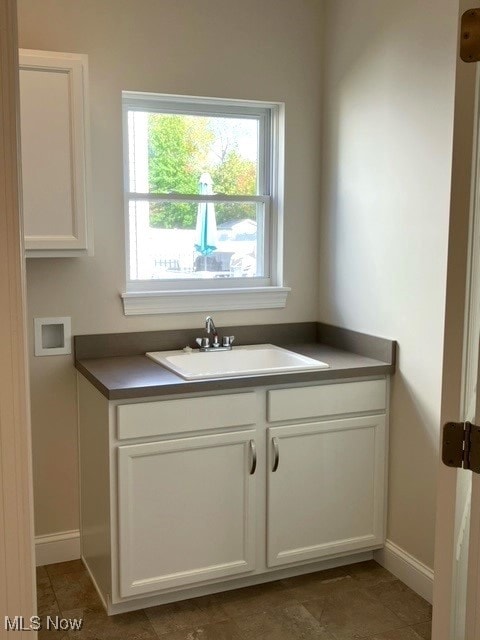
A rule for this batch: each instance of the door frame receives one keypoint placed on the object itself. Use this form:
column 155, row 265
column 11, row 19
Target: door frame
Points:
column 16, row 494
column 17, row 566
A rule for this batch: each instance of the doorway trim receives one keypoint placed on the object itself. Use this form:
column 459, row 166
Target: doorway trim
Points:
column 17, row 576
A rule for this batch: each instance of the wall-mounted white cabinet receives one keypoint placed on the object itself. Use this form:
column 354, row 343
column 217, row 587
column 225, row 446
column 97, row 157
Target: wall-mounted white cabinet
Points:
column 54, row 147
column 182, row 495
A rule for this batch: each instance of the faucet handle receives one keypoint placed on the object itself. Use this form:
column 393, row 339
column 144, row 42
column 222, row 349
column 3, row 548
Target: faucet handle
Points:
column 227, row 341
column 202, row 342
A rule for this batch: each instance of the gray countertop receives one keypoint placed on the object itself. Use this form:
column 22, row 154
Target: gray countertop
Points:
column 136, row 376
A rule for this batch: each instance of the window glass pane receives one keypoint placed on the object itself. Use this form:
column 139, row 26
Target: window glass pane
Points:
column 168, row 153
column 185, row 240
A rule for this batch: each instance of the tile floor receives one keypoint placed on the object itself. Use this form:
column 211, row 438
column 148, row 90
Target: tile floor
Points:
column 358, row 601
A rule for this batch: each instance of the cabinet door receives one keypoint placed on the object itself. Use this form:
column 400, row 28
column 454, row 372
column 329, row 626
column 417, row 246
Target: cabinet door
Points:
column 53, row 141
column 326, row 487
column 186, row 511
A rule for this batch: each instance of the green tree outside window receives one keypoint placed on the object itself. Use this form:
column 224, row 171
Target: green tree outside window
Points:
column 181, row 148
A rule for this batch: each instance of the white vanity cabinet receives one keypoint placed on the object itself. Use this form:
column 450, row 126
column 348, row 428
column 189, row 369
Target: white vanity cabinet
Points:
column 186, row 511
column 325, row 488
column 54, row 152
column 187, row 495
column 326, row 477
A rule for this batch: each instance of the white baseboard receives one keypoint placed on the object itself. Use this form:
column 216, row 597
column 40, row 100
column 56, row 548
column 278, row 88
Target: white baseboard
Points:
column 59, row 547
column 65, row 546
column 406, row 568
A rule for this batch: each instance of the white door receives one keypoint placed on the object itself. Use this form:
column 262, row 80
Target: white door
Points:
column 186, row 511
column 325, row 488
column 456, row 605
column 466, row 532
column 465, row 599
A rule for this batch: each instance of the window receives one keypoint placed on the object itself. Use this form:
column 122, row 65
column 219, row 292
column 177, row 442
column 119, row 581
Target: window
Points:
column 202, row 182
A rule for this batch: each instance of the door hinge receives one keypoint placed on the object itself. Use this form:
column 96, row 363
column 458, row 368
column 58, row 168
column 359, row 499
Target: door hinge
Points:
column 470, row 36
column 461, row 445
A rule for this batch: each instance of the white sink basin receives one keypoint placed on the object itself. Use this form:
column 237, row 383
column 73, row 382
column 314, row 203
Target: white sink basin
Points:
column 240, row 361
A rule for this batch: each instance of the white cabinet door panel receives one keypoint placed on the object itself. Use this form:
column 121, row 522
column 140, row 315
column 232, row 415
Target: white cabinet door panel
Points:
column 47, row 162
column 186, row 511
column 53, row 144
column 327, row 493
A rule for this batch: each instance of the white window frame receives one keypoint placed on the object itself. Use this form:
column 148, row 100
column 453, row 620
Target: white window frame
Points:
column 189, row 295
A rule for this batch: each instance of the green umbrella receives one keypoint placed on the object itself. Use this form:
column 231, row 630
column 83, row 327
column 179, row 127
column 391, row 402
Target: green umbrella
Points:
column 206, row 229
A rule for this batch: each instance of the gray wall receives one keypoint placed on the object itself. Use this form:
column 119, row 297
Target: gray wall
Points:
column 384, row 185
column 388, row 119
column 264, row 50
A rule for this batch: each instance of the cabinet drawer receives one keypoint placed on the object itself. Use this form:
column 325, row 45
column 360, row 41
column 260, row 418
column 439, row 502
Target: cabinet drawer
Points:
column 188, row 414
column 326, row 400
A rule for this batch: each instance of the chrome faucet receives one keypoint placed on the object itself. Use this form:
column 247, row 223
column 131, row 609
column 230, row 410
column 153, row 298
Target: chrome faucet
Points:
column 211, row 329
column 212, row 341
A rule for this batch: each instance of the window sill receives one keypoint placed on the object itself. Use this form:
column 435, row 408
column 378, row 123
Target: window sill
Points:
column 157, row 302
